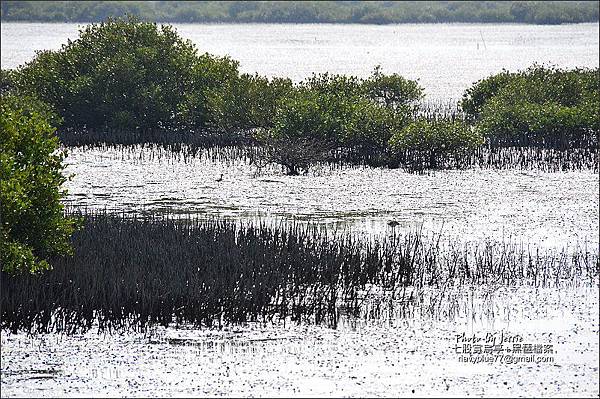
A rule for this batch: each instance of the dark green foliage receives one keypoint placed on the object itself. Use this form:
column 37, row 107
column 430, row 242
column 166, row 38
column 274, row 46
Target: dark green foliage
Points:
column 366, row 12
column 32, row 225
column 127, row 74
column 548, row 125
column 345, row 110
column 371, row 125
column 427, row 144
column 8, row 81
column 392, row 91
column 134, row 273
column 306, row 125
column 327, row 112
column 247, row 102
column 540, row 106
column 211, row 77
column 313, row 114
column 333, row 85
column 536, row 84
column 477, row 95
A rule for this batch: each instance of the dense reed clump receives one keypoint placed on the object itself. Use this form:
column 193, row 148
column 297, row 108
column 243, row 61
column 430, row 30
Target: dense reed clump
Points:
column 135, row 273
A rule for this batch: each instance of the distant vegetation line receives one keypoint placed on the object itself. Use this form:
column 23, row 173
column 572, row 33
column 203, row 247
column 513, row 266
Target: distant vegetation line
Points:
column 366, row 12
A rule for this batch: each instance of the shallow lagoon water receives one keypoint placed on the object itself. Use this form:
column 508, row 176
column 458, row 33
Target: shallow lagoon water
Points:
column 523, row 206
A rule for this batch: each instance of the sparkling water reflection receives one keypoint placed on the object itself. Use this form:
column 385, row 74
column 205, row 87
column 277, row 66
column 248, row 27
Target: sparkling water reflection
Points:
column 553, row 209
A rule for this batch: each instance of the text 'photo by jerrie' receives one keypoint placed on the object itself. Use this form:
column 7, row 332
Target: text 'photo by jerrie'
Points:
column 299, row 199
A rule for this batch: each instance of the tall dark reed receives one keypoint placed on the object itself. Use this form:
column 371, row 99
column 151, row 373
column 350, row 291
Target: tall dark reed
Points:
column 132, row 273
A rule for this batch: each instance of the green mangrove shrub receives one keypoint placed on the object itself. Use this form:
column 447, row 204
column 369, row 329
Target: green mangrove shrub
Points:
column 374, row 107
column 550, row 125
column 306, row 125
column 426, row 143
column 333, row 85
column 327, row 112
column 127, row 74
column 247, row 102
column 483, row 90
column 546, row 107
column 211, row 77
column 393, row 91
column 32, row 225
column 371, row 126
column 537, row 84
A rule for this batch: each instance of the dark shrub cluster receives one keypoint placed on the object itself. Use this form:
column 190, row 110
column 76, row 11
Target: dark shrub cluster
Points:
column 32, row 224
column 127, row 74
column 423, row 144
column 538, row 107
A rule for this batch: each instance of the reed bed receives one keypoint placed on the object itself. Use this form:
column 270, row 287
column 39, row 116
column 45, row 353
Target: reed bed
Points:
column 134, row 272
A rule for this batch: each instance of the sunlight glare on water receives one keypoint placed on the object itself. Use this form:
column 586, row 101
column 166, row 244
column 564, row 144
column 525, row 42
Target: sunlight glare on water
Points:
column 553, row 209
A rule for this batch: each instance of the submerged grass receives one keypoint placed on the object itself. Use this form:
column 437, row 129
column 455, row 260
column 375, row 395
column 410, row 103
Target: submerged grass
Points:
column 132, row 273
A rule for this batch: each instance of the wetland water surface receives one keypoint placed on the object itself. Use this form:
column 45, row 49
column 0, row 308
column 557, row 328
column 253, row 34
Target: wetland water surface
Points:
column 541, row 208
column 414, row 357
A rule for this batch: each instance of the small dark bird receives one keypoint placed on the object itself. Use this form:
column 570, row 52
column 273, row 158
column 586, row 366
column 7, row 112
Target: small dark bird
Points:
column 220, row 178
column 393, row 223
